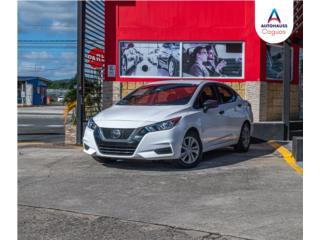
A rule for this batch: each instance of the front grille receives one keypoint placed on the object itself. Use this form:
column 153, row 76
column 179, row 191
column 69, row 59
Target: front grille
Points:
column 122, row 148
column 124, row 132
column 110, row 148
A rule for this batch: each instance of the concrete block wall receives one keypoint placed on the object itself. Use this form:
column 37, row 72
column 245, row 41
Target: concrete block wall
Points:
column 275, row 102
column 265, row 97
column 127, row 87
column 111, row 93
column 256, row 94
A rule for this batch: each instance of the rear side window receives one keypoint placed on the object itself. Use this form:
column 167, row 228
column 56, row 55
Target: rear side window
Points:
column 226, row 95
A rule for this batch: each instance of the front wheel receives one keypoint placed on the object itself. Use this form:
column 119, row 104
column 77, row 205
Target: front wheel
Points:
column 244, row 139
column 172, row 68
column 191, row 151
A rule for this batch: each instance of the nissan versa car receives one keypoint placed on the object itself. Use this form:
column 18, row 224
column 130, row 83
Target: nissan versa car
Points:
column 177, row 120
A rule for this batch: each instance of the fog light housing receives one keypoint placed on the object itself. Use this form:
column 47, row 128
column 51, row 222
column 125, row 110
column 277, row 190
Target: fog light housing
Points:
column 86, row 147
column 166, row 150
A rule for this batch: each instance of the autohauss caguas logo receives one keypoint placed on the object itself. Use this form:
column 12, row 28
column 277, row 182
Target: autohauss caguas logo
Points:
column 272, row 28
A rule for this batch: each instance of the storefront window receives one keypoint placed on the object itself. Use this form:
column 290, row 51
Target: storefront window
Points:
column 275, row 60
column 300, row 62
column 181, row 59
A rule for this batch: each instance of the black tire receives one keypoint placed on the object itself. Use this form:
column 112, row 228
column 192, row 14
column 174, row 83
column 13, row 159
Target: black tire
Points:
column 190, row 159
column 104, row 159
column 175, row 65
column 243, row 144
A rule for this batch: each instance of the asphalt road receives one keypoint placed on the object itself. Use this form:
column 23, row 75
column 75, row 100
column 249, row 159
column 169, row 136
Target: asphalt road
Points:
column 65, row 194
column 41, row 124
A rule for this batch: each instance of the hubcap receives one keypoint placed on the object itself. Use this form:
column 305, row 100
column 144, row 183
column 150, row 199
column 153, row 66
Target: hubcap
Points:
column 190, row 150
column 245, row 136
column 171, row 68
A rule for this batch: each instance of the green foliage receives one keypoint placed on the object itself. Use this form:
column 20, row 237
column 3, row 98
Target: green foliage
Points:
column 62, row 84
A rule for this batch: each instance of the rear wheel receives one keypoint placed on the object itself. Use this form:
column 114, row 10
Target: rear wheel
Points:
column 244, row 139
column 191, row 151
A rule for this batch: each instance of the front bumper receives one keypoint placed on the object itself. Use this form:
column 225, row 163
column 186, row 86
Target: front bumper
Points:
column 153, row 146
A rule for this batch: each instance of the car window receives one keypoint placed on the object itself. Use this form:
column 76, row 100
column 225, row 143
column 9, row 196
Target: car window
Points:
column 207, row 93
column 226, row 95
column 161, row 94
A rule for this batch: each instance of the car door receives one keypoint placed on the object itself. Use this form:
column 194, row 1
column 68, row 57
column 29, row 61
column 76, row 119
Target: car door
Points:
column 230, row 109
column 211, row 121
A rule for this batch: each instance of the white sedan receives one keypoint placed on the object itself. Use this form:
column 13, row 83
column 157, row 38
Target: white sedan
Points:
column 178, row 120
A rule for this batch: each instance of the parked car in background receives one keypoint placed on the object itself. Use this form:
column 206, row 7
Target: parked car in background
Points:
column 153, row 56
column 60, row 99
column 130, row 57
column 177, row 120
column 169, row 58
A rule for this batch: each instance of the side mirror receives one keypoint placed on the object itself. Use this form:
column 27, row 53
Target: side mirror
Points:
column 209, row 104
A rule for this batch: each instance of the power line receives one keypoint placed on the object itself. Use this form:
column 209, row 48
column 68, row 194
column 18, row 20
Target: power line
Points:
column 47, row 41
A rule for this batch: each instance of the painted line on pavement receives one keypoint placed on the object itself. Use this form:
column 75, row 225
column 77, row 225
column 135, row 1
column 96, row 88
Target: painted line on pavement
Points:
column 26, row 125
column 287, row 156
column 30, row 143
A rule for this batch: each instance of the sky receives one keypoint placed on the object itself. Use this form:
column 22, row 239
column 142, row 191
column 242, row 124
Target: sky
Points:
column 47, row 34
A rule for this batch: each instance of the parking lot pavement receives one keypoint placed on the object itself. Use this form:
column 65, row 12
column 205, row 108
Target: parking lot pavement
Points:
column 253, row 195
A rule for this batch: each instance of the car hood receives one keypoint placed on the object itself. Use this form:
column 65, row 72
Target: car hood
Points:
column 122, row 116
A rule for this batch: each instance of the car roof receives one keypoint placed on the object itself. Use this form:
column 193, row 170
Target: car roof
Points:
column 196, row 82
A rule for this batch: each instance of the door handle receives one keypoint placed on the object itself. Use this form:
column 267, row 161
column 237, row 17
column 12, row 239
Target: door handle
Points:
column 221, row 112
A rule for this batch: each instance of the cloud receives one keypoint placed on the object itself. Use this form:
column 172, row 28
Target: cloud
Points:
column 39, row 55
column 66, row 73
column 68, row 56
column 55, row 69
column 47, row 16
column 27, row 67
column 61, row 26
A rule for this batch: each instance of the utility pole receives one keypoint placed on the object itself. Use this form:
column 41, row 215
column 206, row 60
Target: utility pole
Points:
column 286, row 89
column 80, row 73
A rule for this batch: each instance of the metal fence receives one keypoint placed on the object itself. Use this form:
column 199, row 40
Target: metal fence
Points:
column 91, row 45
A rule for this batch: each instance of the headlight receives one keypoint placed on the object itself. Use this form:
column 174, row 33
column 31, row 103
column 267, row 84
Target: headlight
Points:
column 160, row 126
column 91, row 124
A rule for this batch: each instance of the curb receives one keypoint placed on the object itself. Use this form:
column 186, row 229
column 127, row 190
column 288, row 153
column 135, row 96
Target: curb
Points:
column 47, row 145
column 287, row 156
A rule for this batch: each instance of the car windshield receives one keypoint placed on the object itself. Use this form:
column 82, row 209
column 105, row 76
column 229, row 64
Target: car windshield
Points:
column 160, row 94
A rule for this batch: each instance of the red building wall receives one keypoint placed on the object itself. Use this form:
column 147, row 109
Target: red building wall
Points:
column 185, row 21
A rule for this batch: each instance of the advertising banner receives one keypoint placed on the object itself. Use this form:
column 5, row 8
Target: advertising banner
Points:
column 212, row 59
column 181, row 59
column 150, row 59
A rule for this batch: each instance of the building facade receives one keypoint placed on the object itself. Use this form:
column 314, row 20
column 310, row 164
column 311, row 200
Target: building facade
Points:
column 32, row 91
column 150, row 40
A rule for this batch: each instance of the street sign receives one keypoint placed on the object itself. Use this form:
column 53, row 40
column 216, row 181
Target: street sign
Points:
column 96, row 58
